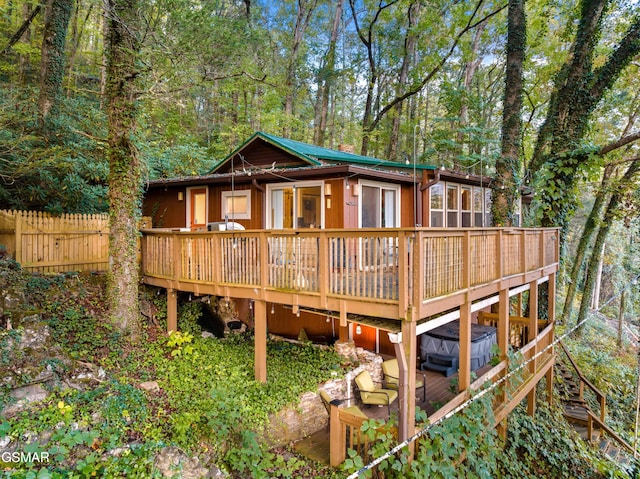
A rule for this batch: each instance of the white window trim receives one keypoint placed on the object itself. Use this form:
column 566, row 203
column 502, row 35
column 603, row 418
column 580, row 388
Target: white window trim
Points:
column 297, row 184
column 386, row 186
column 226, row 195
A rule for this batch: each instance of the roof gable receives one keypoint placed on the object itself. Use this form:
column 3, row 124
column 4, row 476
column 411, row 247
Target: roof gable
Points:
column 295, row 154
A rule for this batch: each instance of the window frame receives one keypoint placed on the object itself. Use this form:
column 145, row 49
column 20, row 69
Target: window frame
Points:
column 228, row 195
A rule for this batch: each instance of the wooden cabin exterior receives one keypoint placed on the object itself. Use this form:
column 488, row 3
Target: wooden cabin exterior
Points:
column 274, row 183
column 334, row 243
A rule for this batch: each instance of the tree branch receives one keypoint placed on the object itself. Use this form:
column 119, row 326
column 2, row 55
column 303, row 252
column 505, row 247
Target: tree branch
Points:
column 23, row 28
column 625, row 140
column 418, row 87
column 626, row 51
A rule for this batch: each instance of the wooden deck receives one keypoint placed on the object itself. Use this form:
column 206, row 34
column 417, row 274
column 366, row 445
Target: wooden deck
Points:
column 397, row 272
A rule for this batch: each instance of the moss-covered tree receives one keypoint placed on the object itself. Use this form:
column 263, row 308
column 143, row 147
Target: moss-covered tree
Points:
column 52, row 66
column 508, row 164
column 560, row 158
column 123, row 46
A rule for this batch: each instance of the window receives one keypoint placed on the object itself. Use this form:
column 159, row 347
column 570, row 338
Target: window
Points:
column 436, row 193
column 295, row 206
column 379, row 205
column 236, row 205
column 465, row 206
column 487, row 206
column 452, row 206
column 477, row 207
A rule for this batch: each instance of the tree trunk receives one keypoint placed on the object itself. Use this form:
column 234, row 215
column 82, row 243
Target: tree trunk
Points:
column 595, row 300
column 25, row 68
column 326, row 80
column 584, row 243
column 508, row 165
column 305, row 10
column 125, row 191
column 621, row 319
column 626, row 183
column 409, row 55
column 58, row 13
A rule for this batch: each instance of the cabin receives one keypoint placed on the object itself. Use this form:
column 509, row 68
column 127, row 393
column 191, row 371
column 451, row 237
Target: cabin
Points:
column 275, row 183
column 359, row 250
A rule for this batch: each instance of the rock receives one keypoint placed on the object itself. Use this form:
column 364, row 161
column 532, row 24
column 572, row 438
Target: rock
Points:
column 150, row 386
column 208, row 334
column 172, row 462
column 24, row 396
column 4, row 442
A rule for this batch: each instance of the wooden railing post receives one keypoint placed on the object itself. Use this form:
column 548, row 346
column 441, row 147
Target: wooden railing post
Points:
column 464, row 369
column 337, row 445
column 499, row 259
column 503, row 344
column 177, row 257
column 523, row 251
column 532, row 336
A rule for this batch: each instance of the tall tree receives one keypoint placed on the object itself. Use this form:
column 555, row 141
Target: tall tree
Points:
column 408, row 57
column 303, row 17
column 627, row 184
column 125, row 192
column 57, row 15
column 326, row 80
column 508, row 164
column 560, row 157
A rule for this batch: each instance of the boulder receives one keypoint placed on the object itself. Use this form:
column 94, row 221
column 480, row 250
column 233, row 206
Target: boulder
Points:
column 172, row 462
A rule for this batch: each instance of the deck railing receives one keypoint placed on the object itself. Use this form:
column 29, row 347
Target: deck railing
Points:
column 388, row 266
column 512, row 389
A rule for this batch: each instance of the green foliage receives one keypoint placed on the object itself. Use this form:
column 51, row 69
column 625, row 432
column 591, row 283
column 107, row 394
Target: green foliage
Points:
column 68, row 176
column 180, row 343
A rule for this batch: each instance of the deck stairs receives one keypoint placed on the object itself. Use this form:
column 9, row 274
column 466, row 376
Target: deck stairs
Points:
column 571, row 387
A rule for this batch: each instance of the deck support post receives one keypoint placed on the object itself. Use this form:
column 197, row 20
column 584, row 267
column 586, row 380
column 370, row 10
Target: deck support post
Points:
column 406, row 355
column 503, row 344
column 533, row 333
column 464, row 368
column 172, row 310
column 260, row 333
column 337, row 439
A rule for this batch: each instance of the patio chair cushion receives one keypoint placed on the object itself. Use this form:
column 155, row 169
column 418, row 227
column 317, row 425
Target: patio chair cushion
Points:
column 370, row 394
column 392, row 374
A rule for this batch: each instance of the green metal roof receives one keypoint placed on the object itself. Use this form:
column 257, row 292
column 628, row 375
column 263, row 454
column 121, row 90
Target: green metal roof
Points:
column 316, row 154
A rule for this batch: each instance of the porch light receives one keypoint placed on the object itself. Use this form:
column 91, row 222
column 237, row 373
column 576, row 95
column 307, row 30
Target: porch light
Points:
column 327, row 189
column 273, row 308
column 358, row 329
column 180, row 196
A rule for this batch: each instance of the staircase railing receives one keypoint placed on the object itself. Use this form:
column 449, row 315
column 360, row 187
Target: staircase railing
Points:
column 600, row 396
column 591, row 416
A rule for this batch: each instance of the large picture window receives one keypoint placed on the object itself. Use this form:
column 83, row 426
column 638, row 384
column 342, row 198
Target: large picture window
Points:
column 379, row 205
column 295, row 206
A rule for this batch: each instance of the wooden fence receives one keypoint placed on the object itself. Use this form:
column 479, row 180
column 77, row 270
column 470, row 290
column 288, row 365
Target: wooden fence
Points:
column 45, row 243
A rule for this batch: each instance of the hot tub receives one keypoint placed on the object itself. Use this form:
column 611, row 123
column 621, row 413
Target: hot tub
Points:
column 445, row 341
